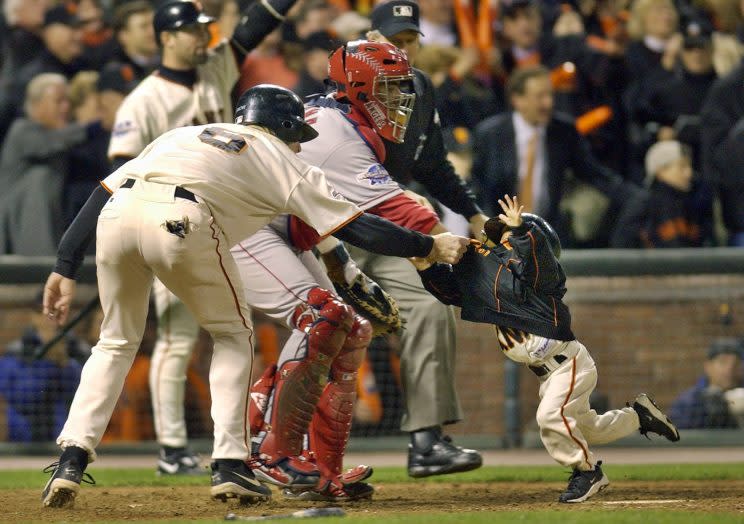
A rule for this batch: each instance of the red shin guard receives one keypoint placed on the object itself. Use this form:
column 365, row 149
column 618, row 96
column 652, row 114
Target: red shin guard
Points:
column 331, row 423
column 299, row 384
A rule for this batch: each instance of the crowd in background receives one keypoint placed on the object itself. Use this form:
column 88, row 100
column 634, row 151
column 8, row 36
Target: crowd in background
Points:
column 635, row 105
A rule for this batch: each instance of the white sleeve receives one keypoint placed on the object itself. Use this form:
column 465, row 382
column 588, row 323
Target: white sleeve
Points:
column 319, row 205
column 131, row 132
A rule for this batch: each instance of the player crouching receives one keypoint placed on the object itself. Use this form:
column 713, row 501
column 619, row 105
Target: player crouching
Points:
column 515, row 282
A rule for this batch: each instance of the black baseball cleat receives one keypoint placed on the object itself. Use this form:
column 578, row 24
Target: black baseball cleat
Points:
column 431, row 453
column 179, row 461
column 584, row 484
column 652, row 419
column 67, row 474
column 233, row 479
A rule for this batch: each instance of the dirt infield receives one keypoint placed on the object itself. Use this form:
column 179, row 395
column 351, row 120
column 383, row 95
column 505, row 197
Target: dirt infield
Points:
column 192, row 503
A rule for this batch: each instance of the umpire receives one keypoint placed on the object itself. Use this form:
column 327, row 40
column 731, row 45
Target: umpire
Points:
column 428, row 356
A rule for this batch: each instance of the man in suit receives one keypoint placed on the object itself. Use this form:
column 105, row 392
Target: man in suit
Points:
column 530, row 150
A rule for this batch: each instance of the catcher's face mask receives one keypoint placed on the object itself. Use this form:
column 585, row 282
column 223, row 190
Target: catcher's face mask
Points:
column 377, row 79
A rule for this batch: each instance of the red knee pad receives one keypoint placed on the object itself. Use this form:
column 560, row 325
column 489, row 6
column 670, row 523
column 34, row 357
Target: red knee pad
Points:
column 351, row 356
column 307, row 312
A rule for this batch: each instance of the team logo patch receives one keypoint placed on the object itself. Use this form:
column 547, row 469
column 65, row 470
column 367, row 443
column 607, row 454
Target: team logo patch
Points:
column 375, row 176
column 123, row 127
column 402, row 10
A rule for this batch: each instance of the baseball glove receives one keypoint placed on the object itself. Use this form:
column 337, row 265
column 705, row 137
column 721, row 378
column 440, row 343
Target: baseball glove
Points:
column 362, row 293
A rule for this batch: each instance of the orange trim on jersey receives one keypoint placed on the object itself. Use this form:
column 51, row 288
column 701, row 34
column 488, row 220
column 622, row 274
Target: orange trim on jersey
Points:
column 107, row 188
column 496, row 288
column 246, row 435
column 342, row 225
column 534, row 258
column 565, row 422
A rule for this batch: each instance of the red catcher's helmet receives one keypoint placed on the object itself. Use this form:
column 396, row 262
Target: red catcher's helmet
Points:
column 377, row 80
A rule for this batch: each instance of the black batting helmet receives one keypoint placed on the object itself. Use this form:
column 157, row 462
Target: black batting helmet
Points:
column 494, row 228
column 277, row 109
column 176, row 14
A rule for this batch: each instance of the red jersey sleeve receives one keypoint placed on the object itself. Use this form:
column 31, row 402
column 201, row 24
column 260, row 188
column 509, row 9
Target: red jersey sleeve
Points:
column 407, row 213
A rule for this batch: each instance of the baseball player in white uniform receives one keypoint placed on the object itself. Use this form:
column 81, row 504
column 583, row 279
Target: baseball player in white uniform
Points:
column 516, row 283
column 191, row 86
column 173, row 213
column 280, row 273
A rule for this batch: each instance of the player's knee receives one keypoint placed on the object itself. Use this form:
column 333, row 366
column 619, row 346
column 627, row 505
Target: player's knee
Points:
column 321, row 305
column 352, row 353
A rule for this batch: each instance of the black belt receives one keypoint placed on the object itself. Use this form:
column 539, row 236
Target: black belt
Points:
column 543, row 370
column 180, row 192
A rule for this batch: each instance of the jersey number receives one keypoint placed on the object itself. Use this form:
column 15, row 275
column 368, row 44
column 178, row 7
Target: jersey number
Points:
column 223, row 139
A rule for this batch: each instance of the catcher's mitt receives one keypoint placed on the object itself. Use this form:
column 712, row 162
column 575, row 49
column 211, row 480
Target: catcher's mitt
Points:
column 362, row 293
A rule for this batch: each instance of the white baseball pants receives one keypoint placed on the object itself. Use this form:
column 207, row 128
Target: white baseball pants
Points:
column 133, row 246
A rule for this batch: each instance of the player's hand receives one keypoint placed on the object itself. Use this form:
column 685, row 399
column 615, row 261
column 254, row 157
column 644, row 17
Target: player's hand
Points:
column 58, row 294
column 448, row 248
column 512, row 215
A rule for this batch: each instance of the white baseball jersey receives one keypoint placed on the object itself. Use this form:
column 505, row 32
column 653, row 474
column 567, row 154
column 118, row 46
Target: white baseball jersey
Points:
column 226, row 164
column 159, row 104
column 352, row 164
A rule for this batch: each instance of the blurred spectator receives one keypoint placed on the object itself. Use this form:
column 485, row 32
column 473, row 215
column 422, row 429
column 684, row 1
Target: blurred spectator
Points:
column 462, row 100
column 93, row 97
column 316, row 50
column 350, row 26
column 38, row 392
column 267, row 64
column 135, row 37
column 62, row 48
column 437, row 22
column 722, row 136
column 34, row 162
column 651, row 57
column 709, row 403
column 98, row 40
column 530, row 151
column 728, row 165
column 672, row 108
column 666, row 215
column 23, row 41
column 580, row 73
column 311, row 16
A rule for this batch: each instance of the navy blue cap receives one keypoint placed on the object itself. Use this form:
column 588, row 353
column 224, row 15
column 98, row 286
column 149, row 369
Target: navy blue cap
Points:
column 396, row 16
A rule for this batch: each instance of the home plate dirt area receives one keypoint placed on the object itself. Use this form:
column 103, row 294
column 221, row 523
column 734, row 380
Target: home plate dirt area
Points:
column 153, row 504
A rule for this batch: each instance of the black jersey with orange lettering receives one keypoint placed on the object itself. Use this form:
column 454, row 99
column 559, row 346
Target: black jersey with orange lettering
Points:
column 519, row 285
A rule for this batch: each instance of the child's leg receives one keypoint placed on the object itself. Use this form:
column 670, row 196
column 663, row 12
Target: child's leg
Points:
column 564, row 399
